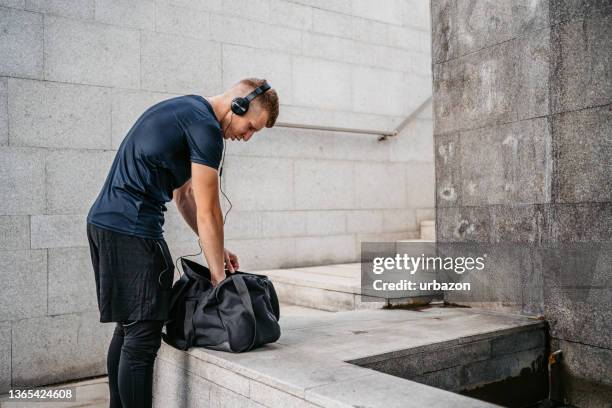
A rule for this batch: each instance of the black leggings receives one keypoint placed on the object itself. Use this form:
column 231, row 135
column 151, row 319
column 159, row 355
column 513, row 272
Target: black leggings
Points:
column 130, row 361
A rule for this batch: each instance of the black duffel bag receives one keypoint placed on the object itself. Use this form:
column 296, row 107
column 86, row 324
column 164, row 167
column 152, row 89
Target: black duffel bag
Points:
column 239, row 314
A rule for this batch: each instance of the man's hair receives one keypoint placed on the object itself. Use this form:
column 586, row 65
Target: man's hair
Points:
column 267, row 100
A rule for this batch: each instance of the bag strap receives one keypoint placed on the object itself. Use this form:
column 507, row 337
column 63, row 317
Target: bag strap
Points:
column 176, row 296
column 245, row 297
column 188, row 329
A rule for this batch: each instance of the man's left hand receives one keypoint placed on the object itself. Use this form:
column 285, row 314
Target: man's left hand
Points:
column 231, row 261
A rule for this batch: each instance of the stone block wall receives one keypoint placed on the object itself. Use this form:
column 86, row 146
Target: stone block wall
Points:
column 74, row 77
column 522, row 125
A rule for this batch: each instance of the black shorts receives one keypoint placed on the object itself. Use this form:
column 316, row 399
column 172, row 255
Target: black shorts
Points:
column 133, row 275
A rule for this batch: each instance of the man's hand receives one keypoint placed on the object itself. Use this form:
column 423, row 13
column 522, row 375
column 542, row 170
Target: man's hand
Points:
column 231, row 261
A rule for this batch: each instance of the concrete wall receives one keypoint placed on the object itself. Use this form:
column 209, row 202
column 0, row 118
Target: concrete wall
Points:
column 522, row 115
column 74, row 76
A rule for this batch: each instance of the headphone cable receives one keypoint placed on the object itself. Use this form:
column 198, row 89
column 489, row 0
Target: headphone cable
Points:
column 221, row 172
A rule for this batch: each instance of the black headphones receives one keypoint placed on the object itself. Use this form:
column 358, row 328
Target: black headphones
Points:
column 240, row 106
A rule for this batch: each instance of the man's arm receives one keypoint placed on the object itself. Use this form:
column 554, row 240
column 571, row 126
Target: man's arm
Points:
column 208, row 217
column 185, row 203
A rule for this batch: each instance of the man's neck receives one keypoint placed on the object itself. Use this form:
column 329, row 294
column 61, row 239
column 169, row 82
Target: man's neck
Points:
column 220, row 105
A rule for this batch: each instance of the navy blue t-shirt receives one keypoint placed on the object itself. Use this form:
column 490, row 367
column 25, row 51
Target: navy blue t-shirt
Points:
column 155, row 158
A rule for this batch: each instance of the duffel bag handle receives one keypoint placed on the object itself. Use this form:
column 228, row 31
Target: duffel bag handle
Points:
column 245, row 297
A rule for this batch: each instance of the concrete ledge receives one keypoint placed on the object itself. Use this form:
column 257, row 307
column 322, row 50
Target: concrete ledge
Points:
column 309, row 365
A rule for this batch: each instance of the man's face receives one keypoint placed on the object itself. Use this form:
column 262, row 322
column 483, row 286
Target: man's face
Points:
column 243, row 127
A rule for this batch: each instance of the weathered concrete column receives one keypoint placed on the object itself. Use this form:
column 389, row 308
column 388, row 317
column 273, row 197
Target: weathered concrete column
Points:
column 522, row 94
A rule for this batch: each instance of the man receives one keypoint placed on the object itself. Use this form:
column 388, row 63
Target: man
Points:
column 173, row 151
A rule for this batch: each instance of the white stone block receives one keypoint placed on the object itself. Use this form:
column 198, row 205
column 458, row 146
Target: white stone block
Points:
column 14, row 232
column 55, row 231
column 72, row 286
column 5, row 357
column 355, row 146
column 369, row 31
column 263, row 253
column 243, row 224
column 245, row 62
column 290, row 14
column 21, row 43
column 379, row 91
column 355, row 52
column 238, row 31
column 272, row 397
column 287, row 142
column 380, row 185
column 328, row 47
column 73, row 346
column 332, row 23
column 342, row 6
column 324, row 184
column 283, row 223
column 399, row 219
column 364, row 221
column 391, row 11
column 49, row 114
column 194, row 67
column 75, row 178
column 420, row 184
column 428, row 230
column 183, row 21
column 22, row 181
column 23, row 284
column 82, row 9
column 258, row 10
column 221, row 397
column 420, row 64
column 424, row 42
column 414, row 143
column 91, row 53
column 423, row 214
column 13, row 3
column 330, row 222
column 127, row 13
column 322, row 84
column 325, row 250
column 404, row 37
column 4, row 112
column 259, row 183
column 416, row 14
column 178, row 388
column 420, row 89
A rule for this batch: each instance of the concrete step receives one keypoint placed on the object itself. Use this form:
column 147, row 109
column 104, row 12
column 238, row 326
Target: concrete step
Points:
column 374, row 358
column 428, row 230
column 333, row 288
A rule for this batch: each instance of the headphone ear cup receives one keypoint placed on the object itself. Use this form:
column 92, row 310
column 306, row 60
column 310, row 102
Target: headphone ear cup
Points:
column 240, row 106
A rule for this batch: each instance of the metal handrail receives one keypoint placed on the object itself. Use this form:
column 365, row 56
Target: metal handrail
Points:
column 383, row 133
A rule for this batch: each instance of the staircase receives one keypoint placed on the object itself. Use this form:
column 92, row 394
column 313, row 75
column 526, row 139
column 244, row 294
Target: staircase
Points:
column 338, row 287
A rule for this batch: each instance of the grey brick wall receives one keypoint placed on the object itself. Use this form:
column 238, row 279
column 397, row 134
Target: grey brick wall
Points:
column 74, row 76
column 523, row 154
